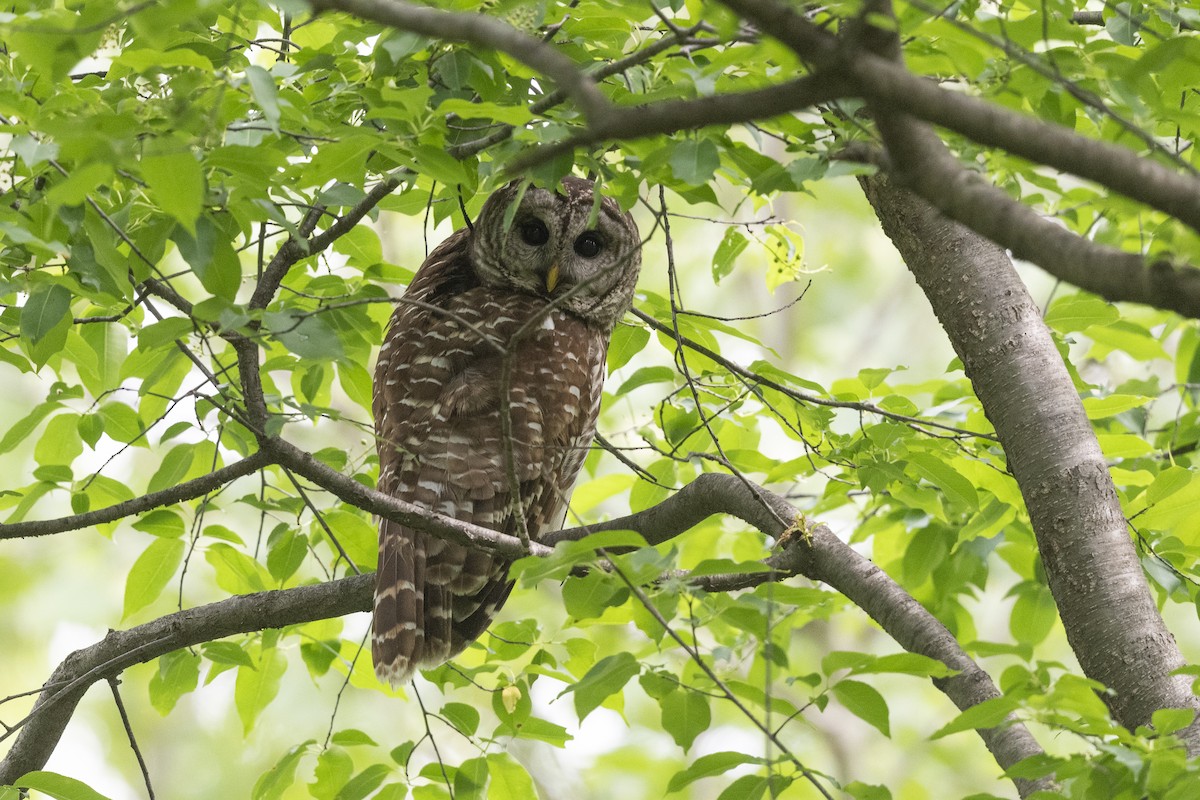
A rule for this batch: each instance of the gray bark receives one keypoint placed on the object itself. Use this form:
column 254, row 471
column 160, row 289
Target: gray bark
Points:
column 1093, row 571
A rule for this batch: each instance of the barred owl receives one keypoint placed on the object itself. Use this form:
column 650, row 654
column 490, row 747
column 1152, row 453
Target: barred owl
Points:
column 543, row 288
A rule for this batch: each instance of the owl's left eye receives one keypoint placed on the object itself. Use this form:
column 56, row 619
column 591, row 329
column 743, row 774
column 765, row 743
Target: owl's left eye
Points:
column 534, row 232
column 589, row 244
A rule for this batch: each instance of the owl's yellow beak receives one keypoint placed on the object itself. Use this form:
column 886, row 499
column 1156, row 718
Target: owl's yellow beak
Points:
column 552, row 277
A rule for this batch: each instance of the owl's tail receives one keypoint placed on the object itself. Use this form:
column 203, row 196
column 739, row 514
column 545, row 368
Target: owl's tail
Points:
column 398, row 639
column 432, row 599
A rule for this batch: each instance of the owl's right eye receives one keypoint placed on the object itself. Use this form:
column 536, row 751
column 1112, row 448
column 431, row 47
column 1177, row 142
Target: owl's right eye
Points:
column 534, row 232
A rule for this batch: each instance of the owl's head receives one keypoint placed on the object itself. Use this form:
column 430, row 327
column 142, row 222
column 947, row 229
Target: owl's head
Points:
column 560, row 245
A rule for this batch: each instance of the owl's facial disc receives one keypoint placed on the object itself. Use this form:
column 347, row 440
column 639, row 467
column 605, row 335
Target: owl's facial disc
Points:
column 560, row 243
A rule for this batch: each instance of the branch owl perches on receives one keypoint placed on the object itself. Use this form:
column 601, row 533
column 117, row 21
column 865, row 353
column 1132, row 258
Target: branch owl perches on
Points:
column 516, row 310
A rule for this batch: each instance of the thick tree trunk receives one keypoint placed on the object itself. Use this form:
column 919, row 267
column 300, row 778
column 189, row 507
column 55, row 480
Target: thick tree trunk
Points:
column 1094, row 574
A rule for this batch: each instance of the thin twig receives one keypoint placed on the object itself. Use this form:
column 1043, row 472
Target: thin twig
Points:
column 113, row 682
column 696, row 658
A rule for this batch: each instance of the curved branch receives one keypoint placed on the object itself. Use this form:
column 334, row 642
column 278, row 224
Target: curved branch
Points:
column 820, row 555
column 189, row 490
column 817, row 554
column 120, row 650
column 388, row 507
column 668, row 116
column 482, row 30
column 294, row 250
column 889, row 85
column 503, row 132
column 1107, row 610
column 925, row 167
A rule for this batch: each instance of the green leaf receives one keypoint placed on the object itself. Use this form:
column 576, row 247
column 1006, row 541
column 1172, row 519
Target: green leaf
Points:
column 358, row 537
column 436, row 163
column 733, row 243
column 1102, row 407
column 161, row 522
column 727, row 566
column 685, row 715
column 942, row 475
column 75, row 189
column 865, row 702
column 60, row 442
column 509, row 780
column 262, row 87
column 151, row 573
column 1079, row 312
column 352, row 737
column 334, row 768
column 178, row 673
column 1133, row 339
column 905, row 664
column 627, row 342
column 365, row 782
column 306, row 336
column 605, row 679
column 589, row 596
column 109, row 345
column 1167, row 483
column 121, row 423
column 210, row 255
column 142, row 60
column 645, row 376
column 987, row 714
column 708, row 766
column 747, row 787
column 566, row 555
column 463, row 717
column 1170, row 720
column 278, row 779
column 470, row 779
column 26, row 425
column 229, row 653
column 58, row 786
column 694, row 161
column 285, row 553
column 176, row 182
column 1033, row 614
column 510, row 115
column 863, row 791
column 362, row 245
column 1178, row 506
column 44, row 320
column 173, row 469
column 254, row 689
column 237, row 573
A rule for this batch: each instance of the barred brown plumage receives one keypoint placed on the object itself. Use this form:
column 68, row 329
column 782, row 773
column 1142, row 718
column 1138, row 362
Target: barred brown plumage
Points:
column 543, row 291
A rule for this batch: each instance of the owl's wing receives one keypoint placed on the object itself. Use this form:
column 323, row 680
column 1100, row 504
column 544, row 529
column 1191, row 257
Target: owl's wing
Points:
column 438, row 400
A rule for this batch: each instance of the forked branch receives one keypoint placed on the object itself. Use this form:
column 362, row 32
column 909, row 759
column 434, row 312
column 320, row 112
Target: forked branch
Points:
column 815, row 552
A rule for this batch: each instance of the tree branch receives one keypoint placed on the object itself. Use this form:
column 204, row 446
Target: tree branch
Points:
column 483, row 30
column 119, row 650
column 822, row 556
column 190, row 490
column 816, row 553
column 388, row 507
column 925, row 167
column 503, row 132
column 669, row 116
column 890, row 86
column 996, row 328
column 294, row 250
column 917, row 423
